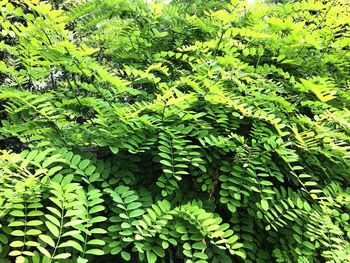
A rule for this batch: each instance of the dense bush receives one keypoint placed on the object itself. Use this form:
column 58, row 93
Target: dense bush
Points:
column 193, row 131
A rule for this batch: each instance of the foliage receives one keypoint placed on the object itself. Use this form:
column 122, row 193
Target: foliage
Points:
column 193, row 131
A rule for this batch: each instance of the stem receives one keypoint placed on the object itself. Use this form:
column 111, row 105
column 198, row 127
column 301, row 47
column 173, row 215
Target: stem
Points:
column 258, row 61
column 86, row 235
column 25, row 222
column 84, row 249
column 59, row 234
column 219, row 42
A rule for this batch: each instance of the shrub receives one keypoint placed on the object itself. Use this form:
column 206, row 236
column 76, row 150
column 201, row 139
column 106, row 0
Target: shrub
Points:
column 193, row 131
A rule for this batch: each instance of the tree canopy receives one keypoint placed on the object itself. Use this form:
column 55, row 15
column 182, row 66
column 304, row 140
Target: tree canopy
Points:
column 174, row 131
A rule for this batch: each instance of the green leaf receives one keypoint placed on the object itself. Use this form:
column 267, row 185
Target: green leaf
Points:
column 136, row 213
column 17, row 213
column 10, row 8
column 54, row 211
column 199, row 245
column 15, row 253
column 164, row 149
column 83, row 164
column 20, row 259
column 71, row 243
column 134, row 205
column 166, row 163
column 200, row 255
column 300, row 203
column 62, row 256
column 33, row 232
column 151, row 257
column 345, row 217
column 126, row 256
column 265, row 204
column 158, row 251
column 52, row 228
column 18, row 233
column 44, row 251
column 98, row 231
column 114, row 150
column 164, row 155
column 48, row 240
column 17, row 244
column 95, row 251
column 97, row 242
column 130, row 199
column 96, row 209
column 90, row 170
column 82, row 260
column 32, row 244
column 18, row 11
column 125, row 225
column 34, row 223
column 53, row 220
column 16, row 223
